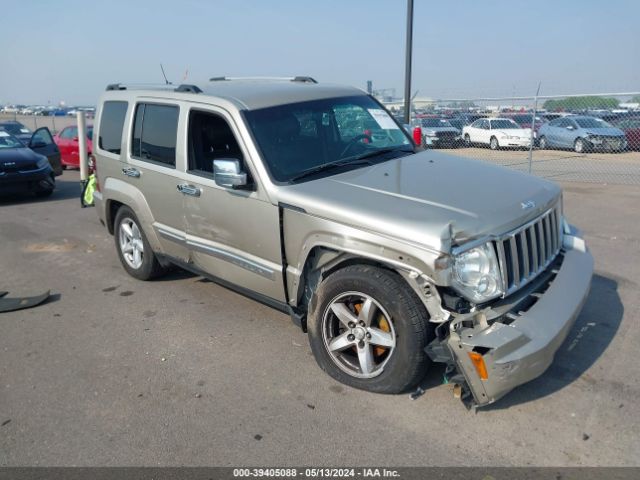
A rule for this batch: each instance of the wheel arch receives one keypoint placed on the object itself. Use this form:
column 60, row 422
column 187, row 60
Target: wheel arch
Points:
column 116, row 194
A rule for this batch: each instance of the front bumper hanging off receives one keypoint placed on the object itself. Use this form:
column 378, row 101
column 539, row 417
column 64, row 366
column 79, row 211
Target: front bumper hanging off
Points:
column 520, row 346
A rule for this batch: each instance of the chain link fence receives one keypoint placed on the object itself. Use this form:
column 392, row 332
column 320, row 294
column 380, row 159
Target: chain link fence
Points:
column 584, row 138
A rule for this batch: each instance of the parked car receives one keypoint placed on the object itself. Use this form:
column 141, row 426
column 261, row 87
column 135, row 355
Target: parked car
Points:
column 582, row 134
column 457, row 123
column 23, row 169
column 389, row 257
column 67, row 141
column 438, row 132
column 525, row 120
column 17, row 129
column 631, row 128
column 497, row 133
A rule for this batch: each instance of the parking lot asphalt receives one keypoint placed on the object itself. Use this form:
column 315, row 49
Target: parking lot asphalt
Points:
column 181, row 371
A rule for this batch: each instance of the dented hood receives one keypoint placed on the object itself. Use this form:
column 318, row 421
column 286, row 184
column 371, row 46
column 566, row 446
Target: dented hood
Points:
column 430, row 198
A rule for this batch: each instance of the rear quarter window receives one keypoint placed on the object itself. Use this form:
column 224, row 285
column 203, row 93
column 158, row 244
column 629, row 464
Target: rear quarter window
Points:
column 111, row 125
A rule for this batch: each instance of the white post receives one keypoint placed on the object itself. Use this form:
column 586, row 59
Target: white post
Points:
column 82, row 146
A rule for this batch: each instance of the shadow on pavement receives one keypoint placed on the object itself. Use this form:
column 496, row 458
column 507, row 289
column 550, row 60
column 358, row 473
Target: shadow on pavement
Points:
column 65, row 189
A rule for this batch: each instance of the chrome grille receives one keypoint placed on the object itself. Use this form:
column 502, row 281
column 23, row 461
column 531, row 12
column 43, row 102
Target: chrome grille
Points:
column 528, row 250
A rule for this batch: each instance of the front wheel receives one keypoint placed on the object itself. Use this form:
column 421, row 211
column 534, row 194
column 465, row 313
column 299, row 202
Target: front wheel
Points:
column 133, row 248
column 579, row 145
column 368, row 329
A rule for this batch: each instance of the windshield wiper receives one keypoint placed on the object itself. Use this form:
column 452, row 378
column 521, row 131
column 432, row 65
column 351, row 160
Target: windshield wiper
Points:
column 329, row 166
column 361, row 159
column 380, row 151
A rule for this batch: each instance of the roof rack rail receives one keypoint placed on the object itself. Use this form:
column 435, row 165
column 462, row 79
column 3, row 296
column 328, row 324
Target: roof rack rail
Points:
column 125, row 86
column 187, row 88
column 301, row 79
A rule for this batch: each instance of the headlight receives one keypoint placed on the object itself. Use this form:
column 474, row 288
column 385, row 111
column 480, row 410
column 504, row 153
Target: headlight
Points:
column 43, row 162
column 476, row 274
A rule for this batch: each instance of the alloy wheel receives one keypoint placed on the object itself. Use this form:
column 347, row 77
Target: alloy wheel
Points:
column 131, row 244
column 358, row 334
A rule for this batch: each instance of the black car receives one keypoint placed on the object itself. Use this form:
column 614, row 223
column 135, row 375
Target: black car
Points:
column 28, row 169
column 17, row 129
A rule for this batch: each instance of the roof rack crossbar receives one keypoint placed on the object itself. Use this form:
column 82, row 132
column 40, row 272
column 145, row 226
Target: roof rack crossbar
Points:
column 300, row 78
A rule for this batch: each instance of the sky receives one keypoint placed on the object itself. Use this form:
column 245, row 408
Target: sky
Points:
column 69, row 50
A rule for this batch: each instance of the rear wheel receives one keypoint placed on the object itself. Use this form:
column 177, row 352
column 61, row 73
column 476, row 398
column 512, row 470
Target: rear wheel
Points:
column 542, row 143
column 368, row 330
column 133, row 248
column 467, row 140
column 44, row 193
column 493, row 143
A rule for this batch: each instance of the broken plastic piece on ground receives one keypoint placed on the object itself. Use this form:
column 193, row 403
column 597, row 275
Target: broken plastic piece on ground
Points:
column 13, row 304
column 417, row 393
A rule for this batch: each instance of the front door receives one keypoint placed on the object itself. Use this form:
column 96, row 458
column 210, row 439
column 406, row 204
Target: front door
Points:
column 42, row 142
column 233, row 235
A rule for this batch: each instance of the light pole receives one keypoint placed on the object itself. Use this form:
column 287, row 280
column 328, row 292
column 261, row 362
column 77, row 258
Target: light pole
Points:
column 407, row 68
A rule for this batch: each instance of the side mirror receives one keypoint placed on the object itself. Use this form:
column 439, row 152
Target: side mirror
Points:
column 227, row 173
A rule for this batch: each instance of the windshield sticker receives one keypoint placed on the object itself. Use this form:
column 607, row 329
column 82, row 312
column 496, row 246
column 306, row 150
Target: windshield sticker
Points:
column 383, row 119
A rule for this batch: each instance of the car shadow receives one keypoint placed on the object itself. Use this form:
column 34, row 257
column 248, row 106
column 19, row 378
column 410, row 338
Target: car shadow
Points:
column 65, row 189
column 592, row 333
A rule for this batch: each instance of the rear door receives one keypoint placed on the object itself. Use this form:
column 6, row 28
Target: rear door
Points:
column 154, row 166
column 42, row 142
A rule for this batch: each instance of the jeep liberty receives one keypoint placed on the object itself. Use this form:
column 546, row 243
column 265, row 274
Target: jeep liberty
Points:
column 311, row 198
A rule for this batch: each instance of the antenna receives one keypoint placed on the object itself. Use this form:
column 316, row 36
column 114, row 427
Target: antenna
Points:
column 165, row 77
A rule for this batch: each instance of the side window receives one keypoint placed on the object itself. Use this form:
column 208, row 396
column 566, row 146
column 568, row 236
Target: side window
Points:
column 155, row 130
column 476, row 124
column 555, row 123
column 485, row 125
column 111, row 124
column 563, row 123
column 67, row 133
column 210, row 138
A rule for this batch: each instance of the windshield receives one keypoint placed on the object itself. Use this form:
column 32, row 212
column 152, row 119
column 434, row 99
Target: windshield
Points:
column 14, row 128
column 592, row 123
column 296, row 138
column 504, row 124
column 8, row 141
column 435, row 122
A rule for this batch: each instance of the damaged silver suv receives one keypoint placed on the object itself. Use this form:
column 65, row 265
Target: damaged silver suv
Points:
column 312, row 199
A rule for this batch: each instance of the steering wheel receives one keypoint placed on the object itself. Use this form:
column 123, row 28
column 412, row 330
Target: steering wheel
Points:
column 355, row 140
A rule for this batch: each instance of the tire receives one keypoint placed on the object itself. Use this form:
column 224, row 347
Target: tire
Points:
column 493, row 144
column 64, row 167
column 144, row 265
column 579, row 146
column 542, row 143
column 467, row 140
column 397, row 320
column 44, row 193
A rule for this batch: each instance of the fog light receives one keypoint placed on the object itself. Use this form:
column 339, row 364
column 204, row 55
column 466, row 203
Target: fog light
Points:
column 478, row 362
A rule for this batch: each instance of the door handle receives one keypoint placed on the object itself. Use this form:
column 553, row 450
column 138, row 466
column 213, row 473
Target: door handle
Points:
column 188, row 189
column 131, row 172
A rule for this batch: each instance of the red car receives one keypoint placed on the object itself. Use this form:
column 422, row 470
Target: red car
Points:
column 67, row 141
column 631, row 128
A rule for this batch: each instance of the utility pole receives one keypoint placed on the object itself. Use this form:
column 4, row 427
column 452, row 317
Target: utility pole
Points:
column 407, row 71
